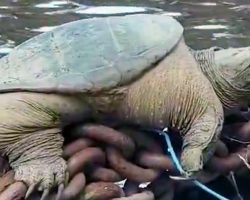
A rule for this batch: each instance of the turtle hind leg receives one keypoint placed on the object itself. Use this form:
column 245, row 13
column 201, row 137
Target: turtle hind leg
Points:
column 37, row 160
column 200, row 141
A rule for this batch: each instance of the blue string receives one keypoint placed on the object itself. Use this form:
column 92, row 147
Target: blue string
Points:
column 178, row 166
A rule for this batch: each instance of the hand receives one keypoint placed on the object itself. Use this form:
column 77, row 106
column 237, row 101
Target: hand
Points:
column 98, row 156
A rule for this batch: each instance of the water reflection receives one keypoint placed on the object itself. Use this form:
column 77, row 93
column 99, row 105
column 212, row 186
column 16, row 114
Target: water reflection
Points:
column 52, row 4
column 214, row 22
column 105, row 10
column 42, row 29
column 200, row 3
column 209, row 26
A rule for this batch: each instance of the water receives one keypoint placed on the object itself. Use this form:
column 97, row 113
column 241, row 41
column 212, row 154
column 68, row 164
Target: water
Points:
column 207, row 23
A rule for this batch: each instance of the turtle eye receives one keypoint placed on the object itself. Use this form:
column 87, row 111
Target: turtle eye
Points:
column 217, row 48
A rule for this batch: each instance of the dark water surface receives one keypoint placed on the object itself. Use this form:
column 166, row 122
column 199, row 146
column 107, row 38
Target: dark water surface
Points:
column 207, row 23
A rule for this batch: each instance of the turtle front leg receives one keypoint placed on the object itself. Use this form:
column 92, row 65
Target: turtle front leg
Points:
column 199, row 142
column 30, row 135
column 37, row 160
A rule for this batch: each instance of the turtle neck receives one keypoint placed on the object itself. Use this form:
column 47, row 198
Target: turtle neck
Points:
column 228, row 92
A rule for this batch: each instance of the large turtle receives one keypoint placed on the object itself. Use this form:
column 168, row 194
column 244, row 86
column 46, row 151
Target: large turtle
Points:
column 135, row 67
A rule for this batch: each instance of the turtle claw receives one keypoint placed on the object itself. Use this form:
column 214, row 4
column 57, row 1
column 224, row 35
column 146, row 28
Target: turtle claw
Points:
column 45, row 194
column 30, row 190
column 42, row 177
column 60, row 191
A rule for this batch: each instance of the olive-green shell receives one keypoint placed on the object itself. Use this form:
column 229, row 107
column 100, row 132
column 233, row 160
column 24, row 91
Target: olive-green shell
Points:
column 90, row 54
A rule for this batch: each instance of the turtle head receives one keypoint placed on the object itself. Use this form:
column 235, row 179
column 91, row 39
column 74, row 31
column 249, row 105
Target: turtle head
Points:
column 234, row 67
column 234, row 64
column 228, row 70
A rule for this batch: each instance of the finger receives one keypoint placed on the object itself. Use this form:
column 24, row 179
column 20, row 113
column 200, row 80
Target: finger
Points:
column 108, row 136
column 6, row 180
column 77, row 146
column 77, row 162
column 75, row 186
column 156, row 161
column 15, row 191
column 128, row 169
column 104, row 174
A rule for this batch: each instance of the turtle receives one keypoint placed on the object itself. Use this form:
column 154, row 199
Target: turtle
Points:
column 136, row 68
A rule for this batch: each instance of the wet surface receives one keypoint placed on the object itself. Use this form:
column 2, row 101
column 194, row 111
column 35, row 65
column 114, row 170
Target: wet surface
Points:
column 222, row 23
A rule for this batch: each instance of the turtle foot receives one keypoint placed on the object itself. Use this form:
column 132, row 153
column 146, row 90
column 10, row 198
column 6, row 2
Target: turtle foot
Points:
column 43, row 176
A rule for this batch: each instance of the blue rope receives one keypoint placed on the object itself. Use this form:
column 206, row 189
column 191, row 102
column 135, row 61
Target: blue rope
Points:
column 178, row 166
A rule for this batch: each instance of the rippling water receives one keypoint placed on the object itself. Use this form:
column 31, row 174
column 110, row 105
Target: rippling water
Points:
column 207, row 23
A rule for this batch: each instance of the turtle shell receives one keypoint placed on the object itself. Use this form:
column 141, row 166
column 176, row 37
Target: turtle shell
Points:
column 90, row 54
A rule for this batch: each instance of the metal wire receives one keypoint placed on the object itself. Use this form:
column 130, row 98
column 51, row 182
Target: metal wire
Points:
column 171, row 151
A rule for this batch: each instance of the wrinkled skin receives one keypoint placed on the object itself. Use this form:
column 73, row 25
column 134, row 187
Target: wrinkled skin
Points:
column 228, row 70
column 234, row 64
